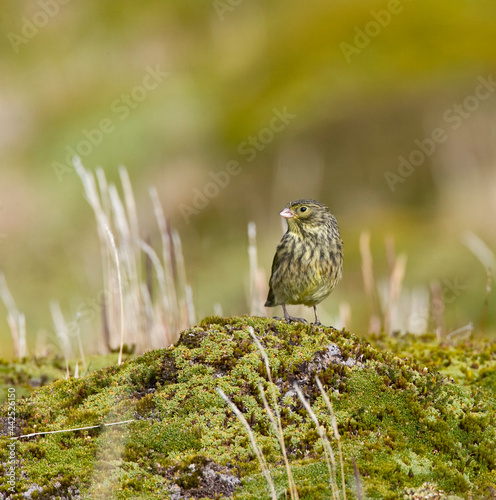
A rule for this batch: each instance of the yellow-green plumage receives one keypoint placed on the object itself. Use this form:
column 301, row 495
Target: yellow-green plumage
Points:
column 309, row 259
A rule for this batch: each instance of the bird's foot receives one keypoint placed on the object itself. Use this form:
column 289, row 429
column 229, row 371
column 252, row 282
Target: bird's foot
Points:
column 292, row 319
column 317, row 320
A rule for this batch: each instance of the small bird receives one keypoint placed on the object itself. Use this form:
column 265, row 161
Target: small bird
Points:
column 309, row 258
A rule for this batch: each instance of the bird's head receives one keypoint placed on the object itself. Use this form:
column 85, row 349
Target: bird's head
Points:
column 305, row 215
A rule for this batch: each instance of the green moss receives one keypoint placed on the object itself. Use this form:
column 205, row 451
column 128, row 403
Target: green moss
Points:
column 402, row 421
column 151, row 439
column 29, row 374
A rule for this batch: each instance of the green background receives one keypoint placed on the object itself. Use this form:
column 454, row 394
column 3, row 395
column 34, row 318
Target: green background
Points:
column 362, row 81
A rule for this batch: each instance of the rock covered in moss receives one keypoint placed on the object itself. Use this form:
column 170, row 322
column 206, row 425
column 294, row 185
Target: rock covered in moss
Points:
column 404, row 425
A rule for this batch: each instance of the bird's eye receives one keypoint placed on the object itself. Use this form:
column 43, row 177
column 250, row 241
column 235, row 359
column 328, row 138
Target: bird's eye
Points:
column 303, row 209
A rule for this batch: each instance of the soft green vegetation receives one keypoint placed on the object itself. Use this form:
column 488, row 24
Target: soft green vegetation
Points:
column 469, row 363
column 67, row 67
column 404, row 422
column 28, row 374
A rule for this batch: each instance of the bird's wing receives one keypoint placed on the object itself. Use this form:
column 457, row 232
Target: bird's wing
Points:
column 271, row 298
column 275, row 263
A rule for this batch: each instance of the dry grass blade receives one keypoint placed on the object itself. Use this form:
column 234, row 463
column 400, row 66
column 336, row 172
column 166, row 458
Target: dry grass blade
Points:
column 181, row 313
column 119, row 281
column 262, row 352
column 488, row 259
column 460, row 334
column 485, row 307
column 44, row 433
column 394, row 290
column 328, row 403
column 256, row 449
column 369, row 282
column 61, row 332
column 277, row 426
column 99, row 199
column 130, row 203
column 357, row 480
column 479, row 248
column 258, row 287
column 190, row 305
column 180, row 268
column 80, row 344
column 344, row 315
column 274, row 420
column 186, row 306
column 328, row 453
column 167, row 254
column 159, row 270
column 16, row 320
column 131, row 313
column 437, row 311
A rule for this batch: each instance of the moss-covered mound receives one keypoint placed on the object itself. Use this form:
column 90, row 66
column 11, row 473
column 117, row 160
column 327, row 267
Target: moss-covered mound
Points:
column 411, row 431
column 470, row 362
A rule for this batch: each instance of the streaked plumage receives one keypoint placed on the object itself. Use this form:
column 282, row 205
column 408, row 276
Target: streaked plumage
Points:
column 309, row 258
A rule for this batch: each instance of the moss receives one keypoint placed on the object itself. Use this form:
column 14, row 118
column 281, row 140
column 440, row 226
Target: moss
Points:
column 403, row 422
column 157, row 439
column 145, row 405
column 30, row 374
column 189, row 471
column 471, row 363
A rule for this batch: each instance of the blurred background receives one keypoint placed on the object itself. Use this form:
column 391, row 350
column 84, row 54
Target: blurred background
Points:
column 384, row 111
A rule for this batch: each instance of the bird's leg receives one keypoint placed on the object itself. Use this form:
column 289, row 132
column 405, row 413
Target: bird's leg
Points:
column 317, row 320
column 291, row 319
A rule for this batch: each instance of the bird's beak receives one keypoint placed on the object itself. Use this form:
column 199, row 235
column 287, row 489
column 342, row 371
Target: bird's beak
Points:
column 287, row 213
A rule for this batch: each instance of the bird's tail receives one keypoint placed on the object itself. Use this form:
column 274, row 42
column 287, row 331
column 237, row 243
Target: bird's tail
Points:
column 270, row 302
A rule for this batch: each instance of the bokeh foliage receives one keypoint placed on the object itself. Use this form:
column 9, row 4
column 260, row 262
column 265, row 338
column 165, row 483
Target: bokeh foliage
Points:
column 229, row 65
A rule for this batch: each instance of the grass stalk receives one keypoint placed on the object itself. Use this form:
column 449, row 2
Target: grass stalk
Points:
column 394, row 291
column 274, row 420
column 121, row 295
column 488, row 259
column 357, row 480
column 167, row 256
column 254, row 445
column 159, row 271
column 485, row 307
column 328, row 403
column 80, row 344
column 369, row 282
column 62, row 333
column 15, row 319
column 328, row 453
column 130, row 312
column 437, row 311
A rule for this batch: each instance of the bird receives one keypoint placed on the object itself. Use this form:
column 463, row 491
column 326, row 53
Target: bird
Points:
column 308, row 262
